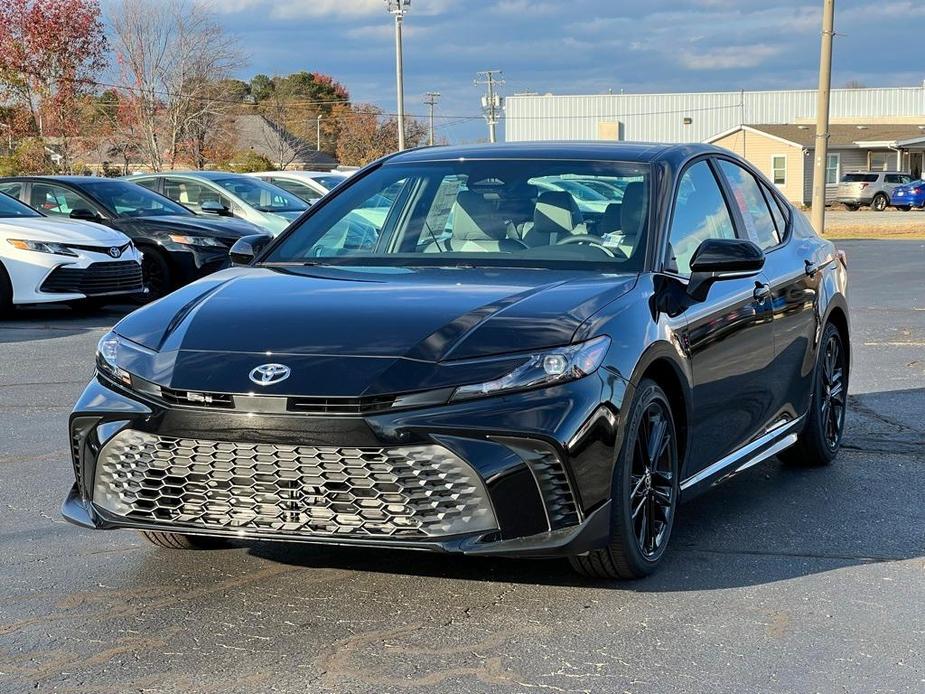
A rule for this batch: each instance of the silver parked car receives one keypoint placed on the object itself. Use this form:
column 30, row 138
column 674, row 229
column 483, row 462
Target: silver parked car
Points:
column 869, row 188
column 308, row 185
column 227, row 195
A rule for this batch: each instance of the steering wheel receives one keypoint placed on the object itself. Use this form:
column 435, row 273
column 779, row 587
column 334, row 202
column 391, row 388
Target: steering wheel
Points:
column 587, row 240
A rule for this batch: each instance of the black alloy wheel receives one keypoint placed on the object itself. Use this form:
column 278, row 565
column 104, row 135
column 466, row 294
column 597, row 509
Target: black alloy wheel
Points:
column 832, row 395
column 880, row 202
column 156, row 275
column 652, row 479
column 822, row 433
column 645, row 492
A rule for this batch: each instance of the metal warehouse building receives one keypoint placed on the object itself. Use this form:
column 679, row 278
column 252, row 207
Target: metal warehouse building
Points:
column 703, row 116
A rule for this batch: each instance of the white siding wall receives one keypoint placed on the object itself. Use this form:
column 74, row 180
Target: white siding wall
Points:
column 659, row 117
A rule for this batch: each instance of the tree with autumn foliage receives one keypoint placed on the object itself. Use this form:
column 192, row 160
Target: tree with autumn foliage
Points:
column 365, row 133
column 51, row 53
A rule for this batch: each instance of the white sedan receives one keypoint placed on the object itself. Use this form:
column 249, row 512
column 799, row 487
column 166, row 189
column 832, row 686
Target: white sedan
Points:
column 308, row 185
column 44, row 259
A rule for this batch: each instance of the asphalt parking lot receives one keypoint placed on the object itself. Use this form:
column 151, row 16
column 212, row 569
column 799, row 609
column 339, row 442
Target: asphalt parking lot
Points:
column 783, row 580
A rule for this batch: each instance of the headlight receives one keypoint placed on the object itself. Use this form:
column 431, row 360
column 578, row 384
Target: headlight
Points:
column 544, row 369
column 200, row 241
column 107, row 358
column 41, row 247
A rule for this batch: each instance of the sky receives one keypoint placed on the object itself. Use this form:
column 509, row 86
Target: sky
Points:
column 573, row 47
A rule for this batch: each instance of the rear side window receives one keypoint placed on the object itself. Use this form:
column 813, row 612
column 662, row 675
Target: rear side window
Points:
column 759, row 223
column 778, row 211
column 897, row 178
column 700, row 213
column 149, row 183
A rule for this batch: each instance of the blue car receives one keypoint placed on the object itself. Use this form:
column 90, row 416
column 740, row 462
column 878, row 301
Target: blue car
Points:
column 908, row 196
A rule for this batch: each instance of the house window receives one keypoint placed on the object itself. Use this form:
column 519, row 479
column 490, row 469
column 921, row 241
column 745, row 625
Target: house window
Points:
column 881, row 161
column 779, row 169
column 832, row 166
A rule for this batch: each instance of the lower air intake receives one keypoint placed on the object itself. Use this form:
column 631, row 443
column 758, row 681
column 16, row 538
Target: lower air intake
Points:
column 410, row 491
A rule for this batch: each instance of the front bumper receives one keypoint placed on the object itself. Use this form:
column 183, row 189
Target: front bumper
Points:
column 46, row 277
column 526, row 474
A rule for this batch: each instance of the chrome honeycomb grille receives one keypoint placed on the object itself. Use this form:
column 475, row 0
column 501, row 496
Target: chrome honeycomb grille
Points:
column 410, row 491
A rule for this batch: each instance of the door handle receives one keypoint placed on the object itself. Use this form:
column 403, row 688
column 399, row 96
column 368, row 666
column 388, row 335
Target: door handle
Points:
column 762, row 291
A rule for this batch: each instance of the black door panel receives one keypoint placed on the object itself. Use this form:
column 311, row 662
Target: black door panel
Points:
column 732, row 347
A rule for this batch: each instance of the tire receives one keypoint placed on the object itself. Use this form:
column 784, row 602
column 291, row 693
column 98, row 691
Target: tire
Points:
column 852, row 207
column 904, row 208
column 6, row 292
column 821, row 438
column 880, row 202
column 155, row 270
column 166, row 540
column 641, row 490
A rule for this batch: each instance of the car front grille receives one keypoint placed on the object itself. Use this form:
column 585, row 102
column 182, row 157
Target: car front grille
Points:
column 98, row 278
column 253, row 489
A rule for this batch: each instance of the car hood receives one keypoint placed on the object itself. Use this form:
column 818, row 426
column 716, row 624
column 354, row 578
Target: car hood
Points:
column 61, row 231
column 219, row 227
column 350, row 331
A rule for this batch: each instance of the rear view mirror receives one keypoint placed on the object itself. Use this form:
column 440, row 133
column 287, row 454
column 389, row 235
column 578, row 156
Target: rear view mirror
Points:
column 246, row 248
column 721, row 259
column 215, row 207
column 84, row 214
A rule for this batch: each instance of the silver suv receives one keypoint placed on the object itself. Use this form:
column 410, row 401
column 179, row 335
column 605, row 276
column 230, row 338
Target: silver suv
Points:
column 869, row 188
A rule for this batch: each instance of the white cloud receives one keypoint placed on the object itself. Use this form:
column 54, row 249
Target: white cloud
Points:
column 728, row 57
column 303, row 9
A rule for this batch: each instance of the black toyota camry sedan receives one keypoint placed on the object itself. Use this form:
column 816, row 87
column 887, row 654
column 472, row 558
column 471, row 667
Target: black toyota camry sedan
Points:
column 492, row 372
column 178, row 246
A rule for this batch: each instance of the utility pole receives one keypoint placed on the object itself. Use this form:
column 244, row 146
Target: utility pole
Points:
column 491, row 102
column 430, row 98
column 318, row 131
column 822, row 116
column 398, row 9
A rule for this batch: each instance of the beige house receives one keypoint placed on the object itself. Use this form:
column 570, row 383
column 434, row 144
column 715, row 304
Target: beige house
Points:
column 784, row 152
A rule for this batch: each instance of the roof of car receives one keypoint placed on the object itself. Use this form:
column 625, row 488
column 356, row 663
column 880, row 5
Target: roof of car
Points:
column 642, row 152
column 73, row 180
column 207, row 175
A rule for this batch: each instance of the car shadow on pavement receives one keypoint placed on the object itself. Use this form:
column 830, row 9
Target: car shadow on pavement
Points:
column 32, row 323
column 772, row 522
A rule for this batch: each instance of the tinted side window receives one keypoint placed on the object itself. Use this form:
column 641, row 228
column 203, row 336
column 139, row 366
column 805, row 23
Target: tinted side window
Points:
column 191, row 194
column 778, row 211
column 57, row 200
column 13, row 189
column 700, row 213
column 751, row 203
column 298, row 189
column 149, row 183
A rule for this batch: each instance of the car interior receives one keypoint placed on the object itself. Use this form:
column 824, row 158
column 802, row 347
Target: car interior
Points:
column 491, row 212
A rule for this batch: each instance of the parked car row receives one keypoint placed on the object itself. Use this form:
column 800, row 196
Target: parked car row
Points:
column 876, row 189
column 86, row 241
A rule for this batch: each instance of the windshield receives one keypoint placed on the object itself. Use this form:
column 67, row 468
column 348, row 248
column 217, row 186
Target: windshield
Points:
column 132, row 200
column 479, row 212
column 13, row 208
column 261, row 195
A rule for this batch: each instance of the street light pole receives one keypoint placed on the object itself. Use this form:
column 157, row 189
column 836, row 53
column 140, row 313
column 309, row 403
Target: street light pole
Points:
column 820, row 165
column 398, row 8
column 318, row 131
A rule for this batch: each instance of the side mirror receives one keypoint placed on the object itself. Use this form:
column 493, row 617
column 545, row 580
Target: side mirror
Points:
column 246, row 248
column 722, row 259
column 84, row 214
column 215, row 207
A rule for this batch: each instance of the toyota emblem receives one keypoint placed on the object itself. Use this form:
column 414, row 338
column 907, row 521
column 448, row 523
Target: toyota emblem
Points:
column 115, row 251
column 268, row 374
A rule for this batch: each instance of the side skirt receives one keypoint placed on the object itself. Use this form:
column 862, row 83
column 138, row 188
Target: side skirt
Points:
column 769, row 444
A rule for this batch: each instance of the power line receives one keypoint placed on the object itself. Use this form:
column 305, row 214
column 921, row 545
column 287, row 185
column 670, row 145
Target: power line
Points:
column 491, row 102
